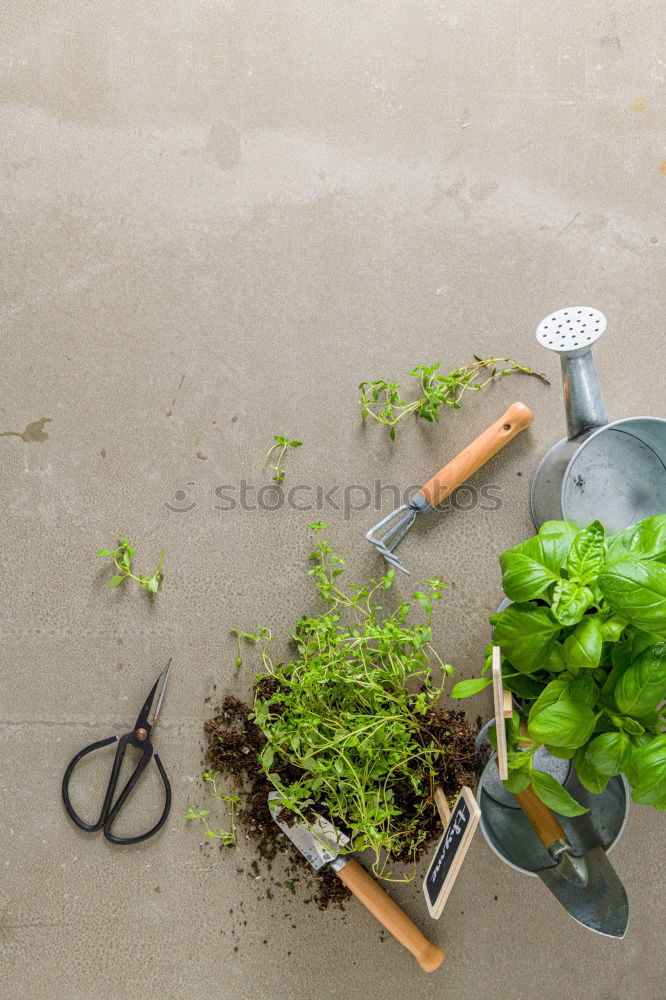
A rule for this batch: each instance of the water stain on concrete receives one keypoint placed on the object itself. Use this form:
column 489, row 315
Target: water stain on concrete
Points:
column 34, row 432
column 482, row 190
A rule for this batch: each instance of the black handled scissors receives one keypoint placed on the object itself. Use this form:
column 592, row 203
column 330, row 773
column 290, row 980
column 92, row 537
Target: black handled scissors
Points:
column 139, row 738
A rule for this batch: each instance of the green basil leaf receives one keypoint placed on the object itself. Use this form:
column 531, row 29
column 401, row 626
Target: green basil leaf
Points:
column 554, row 662
column 517, row 781
column 562, row 753
column 524, row 578
column 518, row 760
column 631, row 726
column 570, row 602
column 582, row 650
column 526, row 634
column 550, row 546
column 550, row 694
column 606, row 752
column 645, row 540
column 564, row 724
column 582, row 688
column 642, row 686
column 641, row 641
column 588, row 776
column 637, row 590
column 587, row 555
column 464, row 689
column 612, row 628
column 555, row 796
column 648, row 763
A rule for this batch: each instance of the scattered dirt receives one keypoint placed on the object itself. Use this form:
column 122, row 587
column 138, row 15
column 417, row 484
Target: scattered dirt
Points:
column 234, row 743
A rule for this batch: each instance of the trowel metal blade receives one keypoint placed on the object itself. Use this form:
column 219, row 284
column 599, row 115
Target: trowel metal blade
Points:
column 319, row 842
column 601, row 904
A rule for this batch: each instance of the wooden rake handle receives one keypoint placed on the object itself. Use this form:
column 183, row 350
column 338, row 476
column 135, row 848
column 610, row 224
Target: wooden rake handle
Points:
column 388, row 913
column 476, row 454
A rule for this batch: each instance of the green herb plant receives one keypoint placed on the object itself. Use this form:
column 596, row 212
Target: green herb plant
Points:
column 584, row 653
column 227, row 837
column 350, row 712
column 280, row 447
column 122, row 558
column 383, row 402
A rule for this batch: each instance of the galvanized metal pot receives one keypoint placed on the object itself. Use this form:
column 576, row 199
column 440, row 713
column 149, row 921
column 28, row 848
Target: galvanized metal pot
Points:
column 510, row 835
column 615, row 472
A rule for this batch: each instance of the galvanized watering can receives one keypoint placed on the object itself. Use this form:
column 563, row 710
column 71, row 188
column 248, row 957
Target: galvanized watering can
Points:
column 615, row 472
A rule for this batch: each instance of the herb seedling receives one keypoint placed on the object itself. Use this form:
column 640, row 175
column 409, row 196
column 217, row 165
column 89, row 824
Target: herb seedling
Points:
column 351, row 711
column 382, row 401
column 281, row 445
column 122, row 558
column 228, row 837
column 584, row 653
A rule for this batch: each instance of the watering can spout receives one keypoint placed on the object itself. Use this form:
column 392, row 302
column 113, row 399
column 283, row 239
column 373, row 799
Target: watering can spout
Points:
column 583, row 399
column 571, row 333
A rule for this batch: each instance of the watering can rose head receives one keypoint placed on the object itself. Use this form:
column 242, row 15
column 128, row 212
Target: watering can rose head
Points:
column 584, row 653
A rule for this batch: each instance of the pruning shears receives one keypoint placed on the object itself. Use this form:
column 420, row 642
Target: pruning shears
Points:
column 138, row 737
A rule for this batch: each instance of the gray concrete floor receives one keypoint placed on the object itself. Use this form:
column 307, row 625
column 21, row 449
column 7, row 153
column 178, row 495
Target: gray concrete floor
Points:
column 218, row 217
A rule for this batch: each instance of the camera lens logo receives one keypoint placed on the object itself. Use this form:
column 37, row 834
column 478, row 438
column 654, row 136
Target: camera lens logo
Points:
column 182, row 500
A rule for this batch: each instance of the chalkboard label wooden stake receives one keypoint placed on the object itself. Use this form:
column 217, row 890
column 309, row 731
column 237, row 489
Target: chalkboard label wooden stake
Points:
column 450, row 852
column 442, row 806
column 500, row 726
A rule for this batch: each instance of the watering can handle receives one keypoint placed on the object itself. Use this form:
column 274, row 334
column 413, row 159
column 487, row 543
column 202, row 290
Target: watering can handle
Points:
column 476, row 454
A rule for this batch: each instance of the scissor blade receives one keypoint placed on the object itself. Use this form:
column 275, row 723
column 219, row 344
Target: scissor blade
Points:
column 151, row 709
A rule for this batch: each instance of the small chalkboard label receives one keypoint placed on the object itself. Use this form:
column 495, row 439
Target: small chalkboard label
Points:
column 450, row 852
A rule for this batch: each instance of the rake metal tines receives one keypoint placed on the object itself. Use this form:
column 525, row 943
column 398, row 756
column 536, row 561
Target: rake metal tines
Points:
column 391, row 529
column 397, row 524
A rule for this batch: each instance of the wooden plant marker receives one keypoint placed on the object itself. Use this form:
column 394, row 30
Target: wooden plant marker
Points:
column 442, row 806
column 450, row 851
column 500, row 716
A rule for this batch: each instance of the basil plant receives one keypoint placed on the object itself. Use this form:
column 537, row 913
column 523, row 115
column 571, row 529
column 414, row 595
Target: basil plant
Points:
column 584, row 653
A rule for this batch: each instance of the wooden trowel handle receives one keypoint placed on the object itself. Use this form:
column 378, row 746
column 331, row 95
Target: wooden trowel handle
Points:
column 543, row 821
column 476, row 454
column 388, row 913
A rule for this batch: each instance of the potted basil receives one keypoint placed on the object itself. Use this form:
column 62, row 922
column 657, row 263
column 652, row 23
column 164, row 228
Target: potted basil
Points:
column 584, row 653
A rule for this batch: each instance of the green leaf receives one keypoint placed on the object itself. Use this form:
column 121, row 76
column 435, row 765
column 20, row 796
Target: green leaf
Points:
column 555, row 796
column 637, row 590
column 606, row 752
column 648, row 763
column 523, row 578
column 642, row 687
column 464, row 689
column 570, row 602
column 587, row 555
column 517, row 781
column 588, row 776
column 104, row 552
column 115, row 580
column 582, row 650
column 526, row 635
column 529, row 569
column 152, row 584
column 549, row 696
column 645, row 540
column 564, row 724
column 612, row 628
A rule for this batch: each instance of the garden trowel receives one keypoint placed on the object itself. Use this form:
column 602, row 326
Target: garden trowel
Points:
column 587, row 886
column 320, row 843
